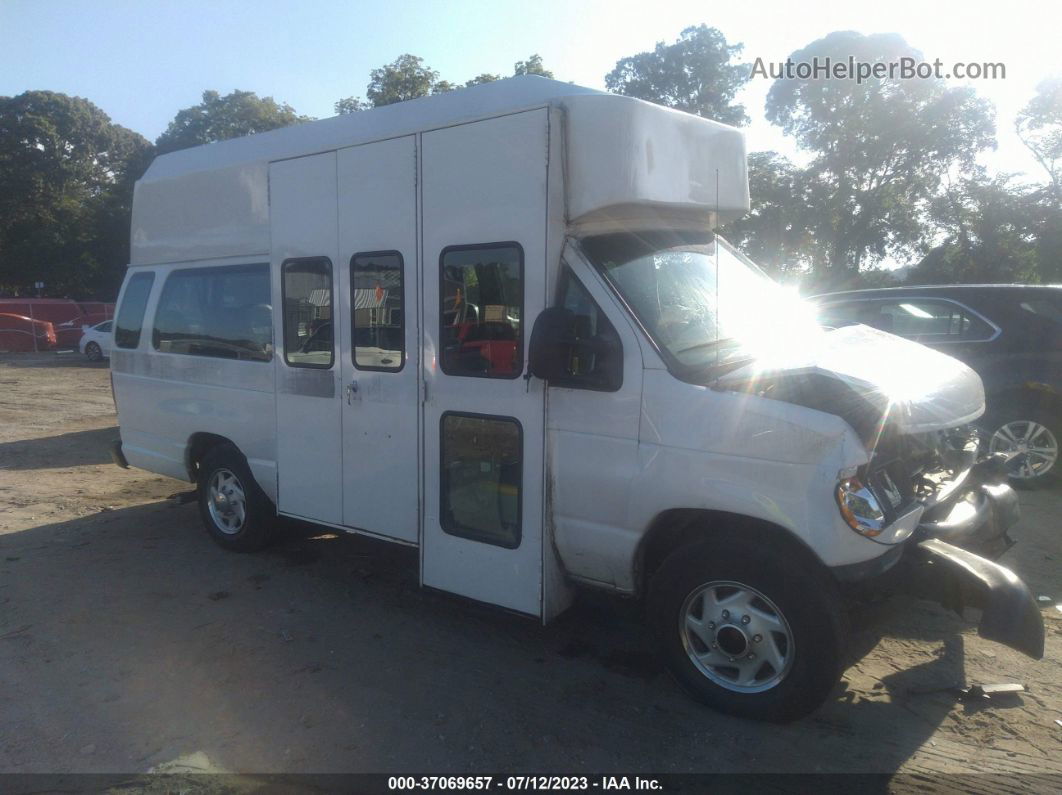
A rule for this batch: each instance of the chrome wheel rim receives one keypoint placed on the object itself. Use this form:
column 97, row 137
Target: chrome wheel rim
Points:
column 736, row 637
column 93, row 351
column 1033, row 448
column 227, row 502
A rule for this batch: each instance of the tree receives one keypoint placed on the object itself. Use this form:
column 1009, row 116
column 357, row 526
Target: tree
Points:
column 697, row 74
column 405, row 78
column 68, row 175
column 532, row 66
column 1039, row 125
column 775, row 233
column 480, row 79
column 988, row 233
column 350, row 105
column 218, row 118
column 881, row 148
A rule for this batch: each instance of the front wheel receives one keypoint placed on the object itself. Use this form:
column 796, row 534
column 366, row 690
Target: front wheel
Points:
column 746, row 633
column 234, row 509
column 93, row 352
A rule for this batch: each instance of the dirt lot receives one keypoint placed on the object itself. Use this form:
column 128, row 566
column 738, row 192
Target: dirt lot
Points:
column 129, row 641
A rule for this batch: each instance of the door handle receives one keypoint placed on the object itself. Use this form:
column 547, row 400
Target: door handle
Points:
column 351, row 391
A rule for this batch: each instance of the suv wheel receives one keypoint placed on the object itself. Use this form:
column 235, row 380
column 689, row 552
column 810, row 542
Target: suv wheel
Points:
column 746, row 633
column 1031, row 436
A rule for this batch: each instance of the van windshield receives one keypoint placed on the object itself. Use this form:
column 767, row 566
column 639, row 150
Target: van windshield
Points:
column 701, row 301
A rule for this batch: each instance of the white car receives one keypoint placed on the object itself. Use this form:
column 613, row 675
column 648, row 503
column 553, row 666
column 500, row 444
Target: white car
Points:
column 96, row 341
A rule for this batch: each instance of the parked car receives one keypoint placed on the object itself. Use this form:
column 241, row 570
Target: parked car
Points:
column 67, row 316
column 96, row 341
column 1011, row 335
column 21, row 333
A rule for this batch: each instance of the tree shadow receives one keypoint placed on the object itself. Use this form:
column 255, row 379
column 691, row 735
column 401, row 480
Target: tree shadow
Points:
column 73, row 449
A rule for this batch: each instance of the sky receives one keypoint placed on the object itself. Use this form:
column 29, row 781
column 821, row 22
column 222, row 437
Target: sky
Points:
column 143, row 60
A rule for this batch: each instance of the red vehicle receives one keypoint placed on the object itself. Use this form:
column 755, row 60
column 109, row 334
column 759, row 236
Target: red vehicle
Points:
column 65, row 315
column 21, row 333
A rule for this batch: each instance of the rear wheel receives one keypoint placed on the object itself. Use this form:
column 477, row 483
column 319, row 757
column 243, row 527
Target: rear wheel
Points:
column 1030, row 436
column 746, row 633
column 94, row 352
column 235, row 511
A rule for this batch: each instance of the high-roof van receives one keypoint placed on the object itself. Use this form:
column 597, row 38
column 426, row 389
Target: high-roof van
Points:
column 496, row 325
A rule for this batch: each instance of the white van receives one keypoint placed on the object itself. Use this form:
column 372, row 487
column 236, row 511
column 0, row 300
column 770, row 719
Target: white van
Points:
column 495, row 325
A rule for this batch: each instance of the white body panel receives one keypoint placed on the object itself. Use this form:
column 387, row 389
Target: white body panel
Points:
column 165, row 398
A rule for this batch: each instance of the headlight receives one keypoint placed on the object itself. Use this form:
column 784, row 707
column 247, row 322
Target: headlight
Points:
column 860, row 507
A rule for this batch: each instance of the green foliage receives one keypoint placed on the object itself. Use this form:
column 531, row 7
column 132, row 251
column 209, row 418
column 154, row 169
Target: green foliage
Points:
column 988, row 233
column 697, row 74
column 405, row 78
column 350, row 105
column 880, row 149
column 218, row 118
column 532, row 66
column 1039, row 125
column 68, row 175
column 775, row 233
column 480, row 79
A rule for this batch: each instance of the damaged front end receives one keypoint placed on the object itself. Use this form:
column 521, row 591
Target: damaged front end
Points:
column 926, row 493
column 968, row 509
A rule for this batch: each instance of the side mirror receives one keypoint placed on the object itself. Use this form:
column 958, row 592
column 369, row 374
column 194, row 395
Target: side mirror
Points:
column 551, row 340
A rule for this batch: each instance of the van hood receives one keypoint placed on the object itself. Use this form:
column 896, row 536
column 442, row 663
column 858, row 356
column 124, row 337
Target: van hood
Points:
column 868, row 378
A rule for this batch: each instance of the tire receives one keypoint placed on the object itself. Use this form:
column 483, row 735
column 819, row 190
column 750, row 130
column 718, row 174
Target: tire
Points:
column 1035, row 435
column 234, row 509
column 93, row 352
column 791, row 622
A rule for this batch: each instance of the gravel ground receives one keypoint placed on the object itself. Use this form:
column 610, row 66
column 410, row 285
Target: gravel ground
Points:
column 130, row 642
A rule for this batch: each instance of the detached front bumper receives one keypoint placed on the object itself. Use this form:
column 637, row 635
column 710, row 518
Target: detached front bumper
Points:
column 950, row 559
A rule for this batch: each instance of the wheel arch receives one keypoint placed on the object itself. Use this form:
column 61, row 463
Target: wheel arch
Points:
column 199, row 444
column 679, row 527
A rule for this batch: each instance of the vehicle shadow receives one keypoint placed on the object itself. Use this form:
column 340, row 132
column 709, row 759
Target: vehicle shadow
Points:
column 128, row 640
column 72, row 449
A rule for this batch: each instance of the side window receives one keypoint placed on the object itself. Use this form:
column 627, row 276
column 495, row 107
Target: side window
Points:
column 308, row 331
column 482, row 297
column 224, row 313
column 595, row 354
column 130, row 316
column 378, row 317
column 482, row 476
column 915, row 318
column 928, row 320
column 104, row 328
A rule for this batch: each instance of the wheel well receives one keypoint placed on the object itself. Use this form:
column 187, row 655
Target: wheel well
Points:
column 199, row 444
column 681, row 527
